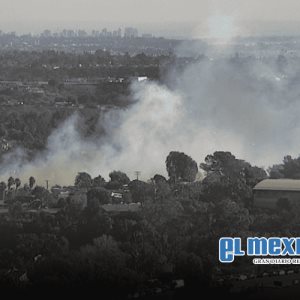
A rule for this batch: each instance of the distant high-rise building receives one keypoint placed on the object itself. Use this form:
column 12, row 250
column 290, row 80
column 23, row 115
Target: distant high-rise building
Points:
column 46, row 33
column 68, row 33
column 71, row 33
column 64, row 33
column 104, row 32
column 130, row 32
column 95, row 33
column 82, row 33
column 147, row 36
column 119, row 32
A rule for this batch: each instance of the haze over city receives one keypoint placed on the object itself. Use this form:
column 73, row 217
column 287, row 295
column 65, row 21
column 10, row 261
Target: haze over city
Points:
column 171, row 18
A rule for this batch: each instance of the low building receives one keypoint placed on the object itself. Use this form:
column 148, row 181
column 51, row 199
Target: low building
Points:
column 276, row 193
column 117, row 195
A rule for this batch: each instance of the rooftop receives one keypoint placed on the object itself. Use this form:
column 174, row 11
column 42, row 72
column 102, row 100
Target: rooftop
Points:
column 279, row 185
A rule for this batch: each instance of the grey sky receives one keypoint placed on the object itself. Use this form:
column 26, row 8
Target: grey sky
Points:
column 35, row 15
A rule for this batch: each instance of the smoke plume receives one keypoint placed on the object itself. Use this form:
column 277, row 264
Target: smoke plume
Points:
column 247, row 105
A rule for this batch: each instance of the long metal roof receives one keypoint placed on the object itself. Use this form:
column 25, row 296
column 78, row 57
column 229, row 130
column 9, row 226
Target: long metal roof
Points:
column 279, row 185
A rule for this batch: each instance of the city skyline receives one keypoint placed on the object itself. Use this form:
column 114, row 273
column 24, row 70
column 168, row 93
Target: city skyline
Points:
column 166, row 18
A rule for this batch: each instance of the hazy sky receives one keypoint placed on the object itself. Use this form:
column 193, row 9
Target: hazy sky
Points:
column 35, row 15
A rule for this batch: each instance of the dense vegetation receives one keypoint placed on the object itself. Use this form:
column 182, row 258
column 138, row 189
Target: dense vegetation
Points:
column 46, row 65
column 40, row 90
column 174, row 235
column 30, row 128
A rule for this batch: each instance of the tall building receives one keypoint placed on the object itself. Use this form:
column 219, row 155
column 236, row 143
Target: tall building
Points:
column 82, row 33
column 95, row 33
column 104, row 32
column 119, row 32
column 147, row 36
column 130, row 32
column 71, row 33
column 46, row 33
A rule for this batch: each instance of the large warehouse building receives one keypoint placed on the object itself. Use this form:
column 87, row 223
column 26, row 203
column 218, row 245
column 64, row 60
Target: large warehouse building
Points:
column 277, row 193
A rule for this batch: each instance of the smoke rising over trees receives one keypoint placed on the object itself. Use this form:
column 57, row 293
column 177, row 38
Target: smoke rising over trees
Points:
column 233, row 103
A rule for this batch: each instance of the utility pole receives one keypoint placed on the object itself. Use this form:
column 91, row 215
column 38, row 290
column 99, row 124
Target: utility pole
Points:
column 47, row 184
column 137, row 174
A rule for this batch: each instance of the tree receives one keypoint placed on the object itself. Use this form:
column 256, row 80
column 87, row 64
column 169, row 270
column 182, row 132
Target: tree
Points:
column 229, row 177
column 120, row 177
column 93, row 207
column 18, row 183
column 98, row 181
column 157, row 178
column 113, row 185
column 105, row 252
column 275, row 172
column 16, row 209
column 83, row 180
column 226, row 164
column 42, row 193
column 100, row 194
column 3, row 186
column 31, row 182
column 217, row 187
column 161, row 212
column 26, row 187
column 161, row 187
column 140, row 190
column 254, row 175
column 10, row 182
column 290, row 168
column 230, row 217
column 181, row 167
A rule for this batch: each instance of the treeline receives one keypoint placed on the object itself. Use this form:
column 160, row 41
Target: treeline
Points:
column 30, row 129
column 173, row 236
column 46, row 65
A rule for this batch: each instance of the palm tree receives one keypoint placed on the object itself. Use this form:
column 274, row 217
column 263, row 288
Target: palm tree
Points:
column 31, row 182
column 17, row 182
column 10, row 182
column 3, row 186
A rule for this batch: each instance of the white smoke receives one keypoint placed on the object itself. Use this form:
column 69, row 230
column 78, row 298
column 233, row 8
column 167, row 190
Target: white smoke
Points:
column 136, row 139
column 212, row 105
column 246, row 106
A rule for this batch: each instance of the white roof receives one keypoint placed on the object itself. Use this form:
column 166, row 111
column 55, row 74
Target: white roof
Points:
column 279, row 185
